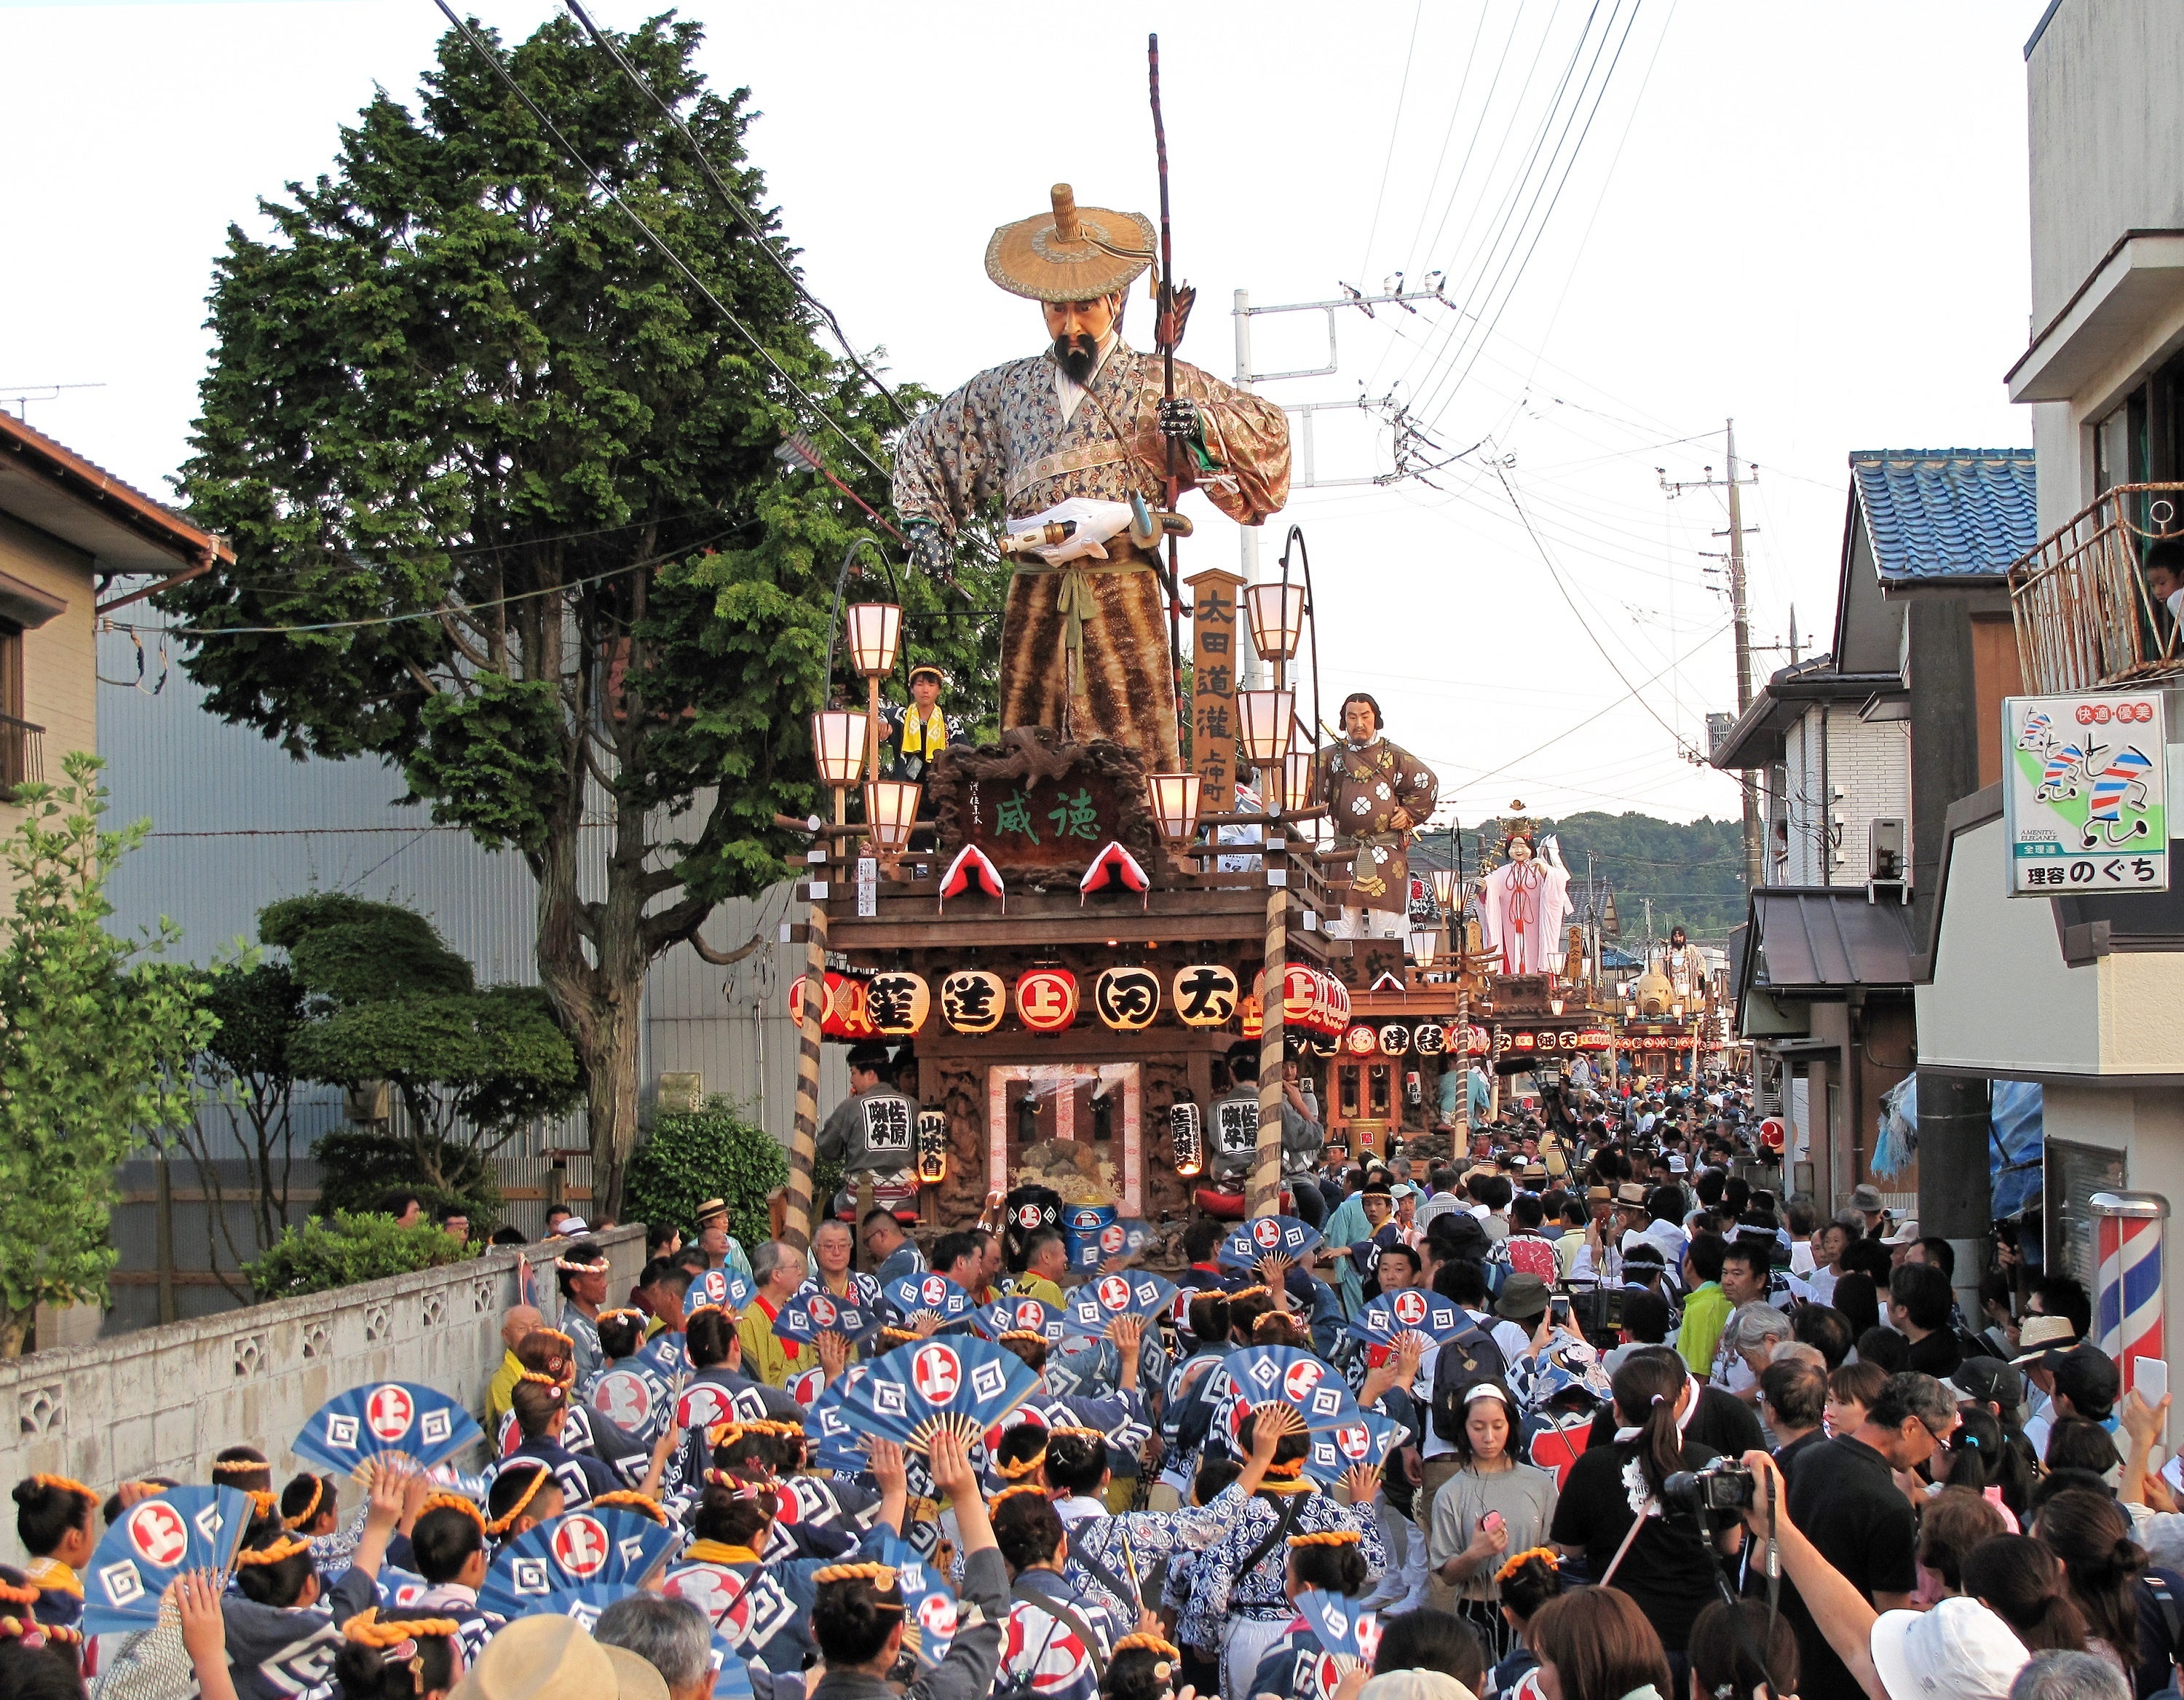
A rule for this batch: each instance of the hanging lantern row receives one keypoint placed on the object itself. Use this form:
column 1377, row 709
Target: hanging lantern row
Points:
column 1127, row 998
column 1313, row 1001
column 1426, row 1039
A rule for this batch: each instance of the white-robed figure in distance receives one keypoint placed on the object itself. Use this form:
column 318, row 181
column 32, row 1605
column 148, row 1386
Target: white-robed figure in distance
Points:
column 1523, row 903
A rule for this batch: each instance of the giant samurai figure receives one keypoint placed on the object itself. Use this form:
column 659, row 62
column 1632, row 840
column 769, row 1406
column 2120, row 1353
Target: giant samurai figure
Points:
column 1067, row 436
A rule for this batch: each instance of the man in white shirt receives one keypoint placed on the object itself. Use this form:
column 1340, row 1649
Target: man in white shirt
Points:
column 1664, row 1205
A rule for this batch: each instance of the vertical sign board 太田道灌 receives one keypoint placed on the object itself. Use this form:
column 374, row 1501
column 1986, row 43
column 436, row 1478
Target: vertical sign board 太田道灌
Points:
column 2085, row 793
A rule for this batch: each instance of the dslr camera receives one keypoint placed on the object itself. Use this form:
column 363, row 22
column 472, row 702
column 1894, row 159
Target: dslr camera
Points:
column 1724, row 1484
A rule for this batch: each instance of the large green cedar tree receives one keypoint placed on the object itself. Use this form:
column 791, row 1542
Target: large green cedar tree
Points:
column 456, row 395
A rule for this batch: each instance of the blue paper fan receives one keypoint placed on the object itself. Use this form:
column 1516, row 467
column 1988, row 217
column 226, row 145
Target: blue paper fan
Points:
column 1264, row 1236
column 1250, row 1378
column 730, row 1289
column 1346, row 1633
column 398, row 1417
column 580, row 1549
column 834, row 1435
column 1125, row 1238
column 928, row 1294
column 928, row 1603
column 1367, row 1438
column 664, row 1356
column 1023, row 1314
column 1099, row 1301
column 152, row 1543
column 957, row 1382
column 1388, row 1318
column 808, row 1315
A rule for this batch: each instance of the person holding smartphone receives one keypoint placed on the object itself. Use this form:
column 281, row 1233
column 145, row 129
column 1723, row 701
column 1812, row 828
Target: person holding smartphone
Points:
column 1494, row 1506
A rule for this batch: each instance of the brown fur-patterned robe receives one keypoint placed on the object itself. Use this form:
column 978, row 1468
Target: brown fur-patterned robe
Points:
column 1003, row 436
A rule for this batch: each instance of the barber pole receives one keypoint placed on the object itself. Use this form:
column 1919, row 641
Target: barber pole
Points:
column 2128, row 1322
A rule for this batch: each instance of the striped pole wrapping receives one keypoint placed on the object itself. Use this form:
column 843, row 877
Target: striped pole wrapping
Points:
column 804, row 1138
column 2128, row 1319
column 1266, row 1194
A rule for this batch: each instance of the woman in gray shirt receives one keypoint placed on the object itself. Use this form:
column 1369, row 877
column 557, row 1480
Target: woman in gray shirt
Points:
column 1491, row 1507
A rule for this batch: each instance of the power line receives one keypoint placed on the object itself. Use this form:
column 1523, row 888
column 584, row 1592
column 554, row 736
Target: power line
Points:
column 1395, row 130
column 743, row 213
column 1539, row 229
column 1554, row 572
column 607, row 189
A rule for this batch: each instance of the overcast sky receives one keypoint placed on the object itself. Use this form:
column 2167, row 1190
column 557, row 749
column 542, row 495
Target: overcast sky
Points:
column 1810, row 218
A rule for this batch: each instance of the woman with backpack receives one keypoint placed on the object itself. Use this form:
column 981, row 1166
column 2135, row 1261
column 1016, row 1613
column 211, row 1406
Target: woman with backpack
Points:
column 1493, row 1505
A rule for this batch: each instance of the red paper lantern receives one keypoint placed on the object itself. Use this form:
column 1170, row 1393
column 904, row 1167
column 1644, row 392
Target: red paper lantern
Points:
column 1300, row 996
column 1046, row 999
column 826, row 1000
column 850, row 1019
column 1360, row 1041
column 1254, row 1023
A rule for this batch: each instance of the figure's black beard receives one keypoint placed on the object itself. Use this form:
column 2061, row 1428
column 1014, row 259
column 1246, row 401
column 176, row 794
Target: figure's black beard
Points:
column 1079, row 355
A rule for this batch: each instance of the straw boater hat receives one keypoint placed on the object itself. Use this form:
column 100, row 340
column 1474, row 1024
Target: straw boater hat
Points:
column 1072, row 254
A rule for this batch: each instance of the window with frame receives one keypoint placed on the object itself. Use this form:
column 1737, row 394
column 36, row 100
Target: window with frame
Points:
column 16, row 748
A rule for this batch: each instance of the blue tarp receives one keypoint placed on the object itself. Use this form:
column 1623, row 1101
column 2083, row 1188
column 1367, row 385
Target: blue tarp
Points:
column 2015, row 1144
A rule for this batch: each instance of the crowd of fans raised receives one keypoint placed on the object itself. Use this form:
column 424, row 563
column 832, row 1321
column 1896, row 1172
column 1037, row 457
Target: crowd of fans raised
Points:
column 1643, row 1431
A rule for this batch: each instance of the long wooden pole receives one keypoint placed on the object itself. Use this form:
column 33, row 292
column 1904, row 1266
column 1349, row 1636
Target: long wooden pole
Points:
column 1166, row 302
column 804, row 1138
column 1266, row 1194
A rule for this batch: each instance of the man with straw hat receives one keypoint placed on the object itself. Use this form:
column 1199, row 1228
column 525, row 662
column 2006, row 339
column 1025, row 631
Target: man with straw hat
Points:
column 1060, row 442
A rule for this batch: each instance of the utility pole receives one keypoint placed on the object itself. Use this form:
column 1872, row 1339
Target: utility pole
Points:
column 1740, row 614
column 1748, row 782
column 1306, row 476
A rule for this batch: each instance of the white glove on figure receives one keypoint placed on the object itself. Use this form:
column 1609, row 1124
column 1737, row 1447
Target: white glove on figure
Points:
column 1096, row 522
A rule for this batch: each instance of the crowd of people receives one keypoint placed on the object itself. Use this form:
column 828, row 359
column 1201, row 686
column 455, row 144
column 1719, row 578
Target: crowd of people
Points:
column 1626, row 1426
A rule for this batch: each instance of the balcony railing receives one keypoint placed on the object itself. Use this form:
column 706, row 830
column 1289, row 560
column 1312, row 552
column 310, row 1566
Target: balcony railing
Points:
column 22, row 755
column 2083, row 614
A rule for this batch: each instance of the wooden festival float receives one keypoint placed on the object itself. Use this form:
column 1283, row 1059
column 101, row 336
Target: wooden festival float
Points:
column 1069, row 941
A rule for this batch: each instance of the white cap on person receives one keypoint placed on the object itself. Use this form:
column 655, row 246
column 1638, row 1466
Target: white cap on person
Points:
column 1960, row 1650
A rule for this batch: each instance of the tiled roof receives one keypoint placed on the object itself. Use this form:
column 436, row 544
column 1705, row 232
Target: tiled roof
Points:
column 1942, row 513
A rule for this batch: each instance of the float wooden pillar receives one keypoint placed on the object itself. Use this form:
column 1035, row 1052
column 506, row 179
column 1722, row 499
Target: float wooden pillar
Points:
column 803, row 1137
column 1265, row 1196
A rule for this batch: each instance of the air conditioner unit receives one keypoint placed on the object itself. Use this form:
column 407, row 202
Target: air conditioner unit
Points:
column 1883, row 838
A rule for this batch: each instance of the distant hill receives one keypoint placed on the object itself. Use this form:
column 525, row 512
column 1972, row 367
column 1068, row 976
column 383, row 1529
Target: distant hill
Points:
column 1693, row 871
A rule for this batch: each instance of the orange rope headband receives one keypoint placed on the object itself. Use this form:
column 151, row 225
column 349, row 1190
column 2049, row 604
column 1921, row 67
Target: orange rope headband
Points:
column 263, row 1501
column 311, row 1507
column 1149, row 1643
column 229, row 1467
column 576, row 1269
column 994, row 1503
column 1032, row 1334
column 501, row 1526
column 629, row 1500
column 1546, row 1555
column 33, row 1633
column 1285, row 1471
column 454, row 1502
column 1023, row 1468
column 61, row 1484
column 366, row 1629
column 13, row 1596
column 1327, row 1537
column 881, row 1576
column 287, row 1547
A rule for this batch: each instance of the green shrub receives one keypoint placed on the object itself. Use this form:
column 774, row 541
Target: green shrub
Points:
column 360, row 1165
column 345, row 1248
column 713, row 1153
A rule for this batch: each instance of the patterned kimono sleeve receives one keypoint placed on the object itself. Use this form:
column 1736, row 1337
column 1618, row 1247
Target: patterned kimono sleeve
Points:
column 1158, row 1535
column 1120, row 1417
column 951, row 463
column 1360, row 1518
column 1249, row 437
column 1414, row 785
column 1216, row 1575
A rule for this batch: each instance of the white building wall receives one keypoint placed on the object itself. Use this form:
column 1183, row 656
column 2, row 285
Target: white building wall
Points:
column 1869, row 762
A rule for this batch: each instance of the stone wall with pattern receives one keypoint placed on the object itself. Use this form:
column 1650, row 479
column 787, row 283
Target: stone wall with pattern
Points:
column 162, row 1400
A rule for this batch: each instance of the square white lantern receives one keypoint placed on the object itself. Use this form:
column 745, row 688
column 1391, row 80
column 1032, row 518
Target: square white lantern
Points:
column 1264, row 719
column 1276, row 611
column 874, row 630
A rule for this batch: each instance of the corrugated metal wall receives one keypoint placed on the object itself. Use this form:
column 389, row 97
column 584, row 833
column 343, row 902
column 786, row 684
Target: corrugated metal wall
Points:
column 237, row 824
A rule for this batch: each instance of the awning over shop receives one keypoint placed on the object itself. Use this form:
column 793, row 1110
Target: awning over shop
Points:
column 1820, row 940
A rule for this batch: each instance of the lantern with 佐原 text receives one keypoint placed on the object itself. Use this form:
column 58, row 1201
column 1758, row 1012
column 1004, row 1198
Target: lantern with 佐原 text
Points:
column 1046, row 999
